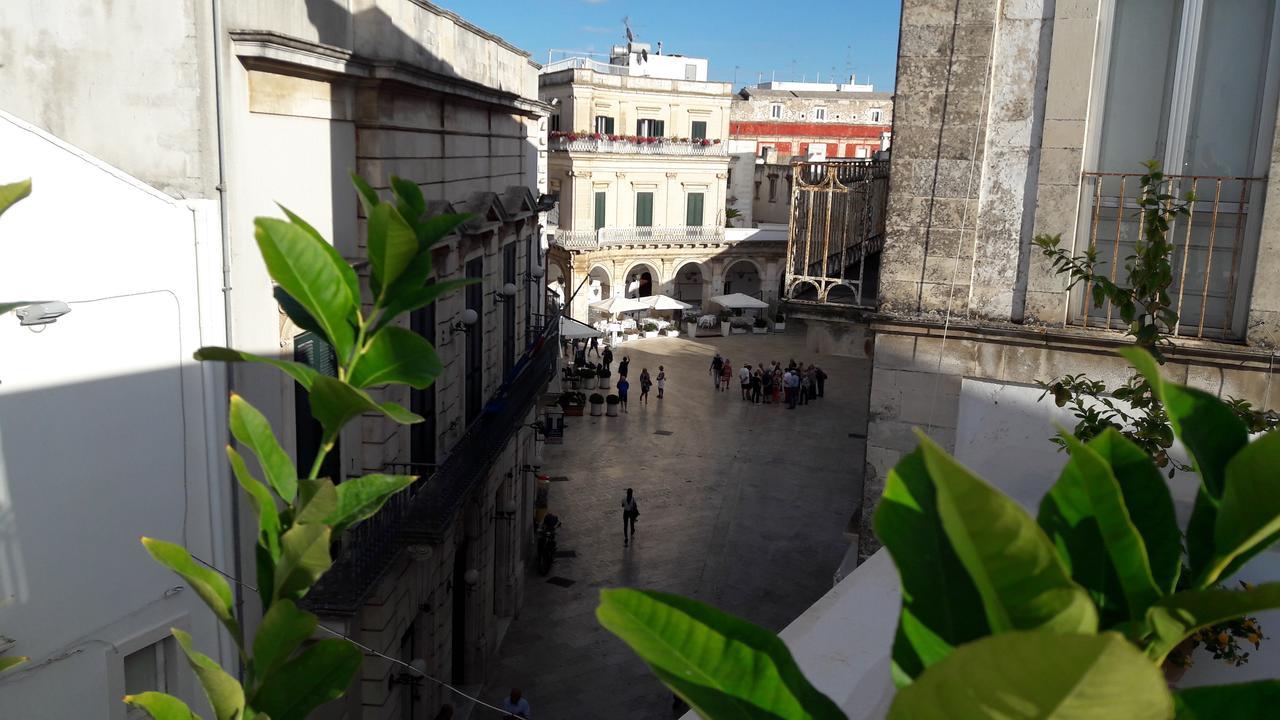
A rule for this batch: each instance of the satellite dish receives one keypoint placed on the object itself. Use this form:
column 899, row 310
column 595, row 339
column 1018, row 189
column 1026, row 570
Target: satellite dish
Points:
column 644, row 55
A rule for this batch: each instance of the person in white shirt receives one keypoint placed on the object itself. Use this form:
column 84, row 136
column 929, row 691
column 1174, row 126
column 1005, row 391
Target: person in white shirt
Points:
column 744, row 378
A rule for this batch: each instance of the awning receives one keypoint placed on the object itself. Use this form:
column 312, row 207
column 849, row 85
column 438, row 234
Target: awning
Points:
column 738, row 301
column 573, row 330
column 664, row 302
column 618, row 304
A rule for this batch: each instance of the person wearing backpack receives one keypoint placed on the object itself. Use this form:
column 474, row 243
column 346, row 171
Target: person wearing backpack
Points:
column 630, row 511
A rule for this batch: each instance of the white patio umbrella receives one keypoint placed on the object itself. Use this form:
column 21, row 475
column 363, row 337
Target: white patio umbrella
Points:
column 618, row 304
column 571, row 329
column 664, row 302
column 738, row 301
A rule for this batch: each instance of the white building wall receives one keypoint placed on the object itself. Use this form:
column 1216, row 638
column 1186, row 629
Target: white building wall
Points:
column 107, row 426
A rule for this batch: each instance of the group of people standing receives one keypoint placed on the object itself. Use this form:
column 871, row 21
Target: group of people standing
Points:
column 582, row 351
column 797, row 384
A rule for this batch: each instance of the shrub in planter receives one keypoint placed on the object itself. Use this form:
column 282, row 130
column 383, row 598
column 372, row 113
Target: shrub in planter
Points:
column 611, row 404
column 602, row 374
column 612, row 400
column 650, row 326
column 596, row 398
column 760, row 322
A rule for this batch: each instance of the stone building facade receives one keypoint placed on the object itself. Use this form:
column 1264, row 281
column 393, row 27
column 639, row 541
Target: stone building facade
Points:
column 1017, row 119
column 265, row 103
column 638, row 157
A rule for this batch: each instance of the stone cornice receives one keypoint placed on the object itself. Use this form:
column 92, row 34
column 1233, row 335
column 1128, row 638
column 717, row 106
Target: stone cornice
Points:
column 285, row 54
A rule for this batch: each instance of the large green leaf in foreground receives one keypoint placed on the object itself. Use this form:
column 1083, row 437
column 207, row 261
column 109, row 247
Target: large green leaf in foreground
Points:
column 724, row 667
column 1039, row 676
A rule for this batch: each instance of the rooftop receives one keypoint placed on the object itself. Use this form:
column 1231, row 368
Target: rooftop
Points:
column 763, row 93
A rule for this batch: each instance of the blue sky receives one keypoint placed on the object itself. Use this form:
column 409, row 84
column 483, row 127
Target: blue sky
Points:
column 757, row 36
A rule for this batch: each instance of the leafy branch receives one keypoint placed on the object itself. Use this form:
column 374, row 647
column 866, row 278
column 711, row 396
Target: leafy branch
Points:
column 287, row 672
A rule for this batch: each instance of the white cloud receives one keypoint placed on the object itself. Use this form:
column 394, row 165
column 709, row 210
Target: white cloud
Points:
column 595, row 2
column 596, row 29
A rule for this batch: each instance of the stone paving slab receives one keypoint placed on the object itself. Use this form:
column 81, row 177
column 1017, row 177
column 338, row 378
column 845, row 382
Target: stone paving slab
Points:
column 743, row 506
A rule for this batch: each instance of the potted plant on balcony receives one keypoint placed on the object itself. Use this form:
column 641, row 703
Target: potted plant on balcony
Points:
column 650, row 329
column 611, row 406
column 760, row 326
column 597, row 404
column 779, row 323
column 724, row 323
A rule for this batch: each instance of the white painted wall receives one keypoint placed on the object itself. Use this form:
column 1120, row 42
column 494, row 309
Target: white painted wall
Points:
column 102, row 424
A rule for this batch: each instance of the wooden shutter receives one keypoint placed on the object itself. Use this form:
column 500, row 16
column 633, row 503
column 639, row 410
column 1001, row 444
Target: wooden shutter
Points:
column 693, row 210
column 644, row 209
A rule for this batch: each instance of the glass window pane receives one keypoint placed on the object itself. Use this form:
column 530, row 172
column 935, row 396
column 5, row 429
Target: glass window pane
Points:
column 142, row 671
column 1135, row 109
column 1231, row 65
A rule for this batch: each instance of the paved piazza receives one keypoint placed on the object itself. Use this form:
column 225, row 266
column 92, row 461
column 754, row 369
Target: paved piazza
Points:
column 742, row 506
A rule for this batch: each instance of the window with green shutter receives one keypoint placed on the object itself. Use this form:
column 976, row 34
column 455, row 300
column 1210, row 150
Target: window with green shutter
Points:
column 600, row 205
column 644, row 209
column 693, row 210
column 699, row 130
column 311, row 350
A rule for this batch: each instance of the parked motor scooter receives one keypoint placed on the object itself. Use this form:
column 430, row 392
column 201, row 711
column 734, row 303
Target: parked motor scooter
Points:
column 547, row 543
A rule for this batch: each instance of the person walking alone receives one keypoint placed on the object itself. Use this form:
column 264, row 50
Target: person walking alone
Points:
column 821, row 378
column 607, row 358
column 645, row 384
column 623, row 387
column 725, row 376
column 630, row 511
column 662, row 381
column 717, row 365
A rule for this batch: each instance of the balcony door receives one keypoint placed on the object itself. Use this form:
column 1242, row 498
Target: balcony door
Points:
column 1191, row 84
column 509, row 309
column 644, row 209
column 422, row 436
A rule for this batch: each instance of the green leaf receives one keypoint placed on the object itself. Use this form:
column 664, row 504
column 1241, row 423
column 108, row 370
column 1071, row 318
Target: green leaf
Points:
column 400, row 302
column 1150, row 505
column 1041, row 676
column 206, row 583
column 334, row 403
column 1248, row 517
column 224, row 693
column 1175, row 617
column 302, row 373
column 321, row 501
column 1017, row 571
column 12, row 193
column 12, row 661
column 251, row 428
column 722, row 666
column 313, row 273
column 304, row 557
column 283, row 629
column 1085, row 512
column 161, row 706
column 348, row 274
column 1208, row 427
column 397, row 355
column 411, row 203
column 263, row 504
column 392, row 244
column 297, row 313
column 1243, row 701
column 941, row 607
column 359, row 498
column 368, row 196
column 319, row 674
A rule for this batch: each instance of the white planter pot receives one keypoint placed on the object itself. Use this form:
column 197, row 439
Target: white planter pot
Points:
column 597, row 409
column 739, row 331
column 692, row 329
column 651, row 333
column 779, row 327
column 611, row 410
column 673, row 333
column 724, row 329
column 589, row 383
column 759, row 330
column 629, row 338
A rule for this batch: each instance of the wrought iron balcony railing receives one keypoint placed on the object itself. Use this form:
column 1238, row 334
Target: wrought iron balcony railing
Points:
column 422, row 513
column 1213, row 248
column 637, row 146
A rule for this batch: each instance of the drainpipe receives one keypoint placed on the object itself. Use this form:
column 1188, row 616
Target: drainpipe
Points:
column 237, row 567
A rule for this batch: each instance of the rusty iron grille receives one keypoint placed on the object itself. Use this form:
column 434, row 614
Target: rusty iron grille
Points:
column 837, row 222
column 1213, row 248
column 424, row 511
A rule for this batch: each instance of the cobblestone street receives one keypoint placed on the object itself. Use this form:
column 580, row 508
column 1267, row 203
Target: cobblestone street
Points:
column 742, row 506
